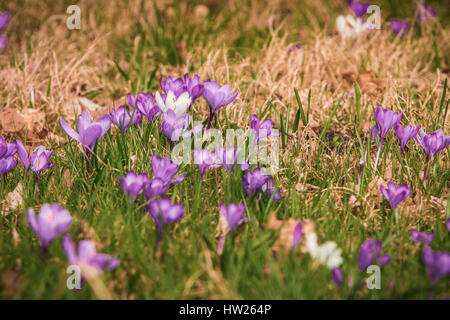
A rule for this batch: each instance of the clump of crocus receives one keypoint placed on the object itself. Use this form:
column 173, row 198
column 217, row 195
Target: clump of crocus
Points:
column 424, row 13
column 432, row 144
column 395, row 194
column 51, row 221
column 38, row 161
column 422, row 236
column 86, row 258
column 163, row 209
column 205, row 160
column 386, row 119
column 7, row 152
column 359, row 8
column 328, row 253
column 399, row 26
column 165, row 169
column 123, row 118
column 437, row 263
column 133, row 184
column 233, row 214
column 174, row 127
column 404, row 135
column 229, row 157
column 89, row 132
column 253, row 181
column 370, row 253
column 217, row 97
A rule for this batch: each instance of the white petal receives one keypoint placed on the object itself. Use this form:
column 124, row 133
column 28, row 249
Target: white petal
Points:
column 170, row 100
column 160, row 102
column 311, row 244
column 182, row 104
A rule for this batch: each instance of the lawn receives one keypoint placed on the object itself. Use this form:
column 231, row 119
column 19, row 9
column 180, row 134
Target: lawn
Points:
column 209, row 228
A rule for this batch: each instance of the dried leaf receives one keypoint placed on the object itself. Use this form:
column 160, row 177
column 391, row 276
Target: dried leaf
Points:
column 13, row 200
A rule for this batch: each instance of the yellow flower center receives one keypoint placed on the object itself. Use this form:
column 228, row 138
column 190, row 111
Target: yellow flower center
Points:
column 175, row 123
column 50, row 218
column 395, row 193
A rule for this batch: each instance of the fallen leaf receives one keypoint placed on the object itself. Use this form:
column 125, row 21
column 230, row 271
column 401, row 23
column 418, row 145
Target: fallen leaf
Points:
column 13, row 200
column 11, row 121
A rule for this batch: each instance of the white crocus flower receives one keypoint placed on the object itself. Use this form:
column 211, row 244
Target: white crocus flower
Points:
column 350, row 27
column 327, row 253
column 179, row 106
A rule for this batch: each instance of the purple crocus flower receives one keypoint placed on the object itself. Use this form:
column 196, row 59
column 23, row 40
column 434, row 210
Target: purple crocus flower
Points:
column 217, row 97
column 422, row 236
column 260, row 129
column 230, row 157
column 394, row 195
column 155, row 188
column 233, row 214
column 7, row 164
column 296, row 47
column 253, row 181
column 268, row 189
column 7, row 152
column 123, row 118
column 297, row 235
column 359, row 8
column 204, row 160
column 166, row 210
column 90, row 262
column 7, row 149
column 39, row 159
column 165, row 170
column 405, row 134
column 399, row 26
column 88, row 131
column 146, row 105
column 4, row 20
column 176, row 85
column 133, row 184
column 447, row 223
column 337, row 276
column 3, row 40
column 174, row 127
column 437, row 263
column 193, row 86
column 51, row 221
column 424, row 13
column 367, row 256
column 386, row 119
column 432, row 143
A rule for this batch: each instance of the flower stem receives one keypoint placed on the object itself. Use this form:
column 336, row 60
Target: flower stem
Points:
column 378, row 155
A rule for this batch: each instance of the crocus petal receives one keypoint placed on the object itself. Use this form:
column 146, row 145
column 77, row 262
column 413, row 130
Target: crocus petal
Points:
column 31, row 217
column 69, row 249
column 68, row 130
column 23, row 155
